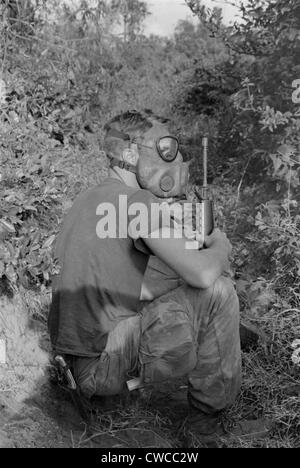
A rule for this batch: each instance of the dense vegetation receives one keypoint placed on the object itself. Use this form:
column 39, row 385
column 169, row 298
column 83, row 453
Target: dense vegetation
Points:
column 65, row 70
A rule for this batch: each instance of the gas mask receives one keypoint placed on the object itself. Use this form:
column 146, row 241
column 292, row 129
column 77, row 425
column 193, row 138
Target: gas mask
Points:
column 161, row 173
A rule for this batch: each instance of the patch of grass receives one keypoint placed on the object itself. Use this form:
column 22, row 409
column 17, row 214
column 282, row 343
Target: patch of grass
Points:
column 271, row 384
column 126, row 425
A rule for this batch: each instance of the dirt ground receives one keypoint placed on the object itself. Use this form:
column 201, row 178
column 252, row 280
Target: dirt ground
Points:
column 23, row 422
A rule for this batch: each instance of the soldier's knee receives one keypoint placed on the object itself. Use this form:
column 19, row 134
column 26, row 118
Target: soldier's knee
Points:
column 224, row 288
column 224, row 295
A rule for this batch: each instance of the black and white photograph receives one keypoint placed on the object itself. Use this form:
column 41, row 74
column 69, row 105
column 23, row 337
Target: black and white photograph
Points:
column 149, row 227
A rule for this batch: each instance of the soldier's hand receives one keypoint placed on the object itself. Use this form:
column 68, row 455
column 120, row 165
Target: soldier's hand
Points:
column 218, row 239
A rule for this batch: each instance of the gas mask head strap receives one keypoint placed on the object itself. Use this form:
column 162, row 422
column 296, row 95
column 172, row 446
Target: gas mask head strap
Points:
column 114, row 162
column 113, row 133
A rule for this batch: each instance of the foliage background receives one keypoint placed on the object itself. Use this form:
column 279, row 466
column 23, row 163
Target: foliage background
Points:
column 67, row 68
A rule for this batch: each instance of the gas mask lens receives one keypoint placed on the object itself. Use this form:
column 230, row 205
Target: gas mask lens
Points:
column 168, row 148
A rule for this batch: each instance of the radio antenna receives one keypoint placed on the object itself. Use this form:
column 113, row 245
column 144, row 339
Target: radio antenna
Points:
column 205, row 167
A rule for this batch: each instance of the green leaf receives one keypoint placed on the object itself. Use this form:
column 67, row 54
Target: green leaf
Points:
column 7, row 226
column 2, row 269
column 49, row 242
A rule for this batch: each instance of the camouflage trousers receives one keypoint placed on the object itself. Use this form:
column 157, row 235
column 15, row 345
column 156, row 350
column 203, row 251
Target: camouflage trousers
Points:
column 184, row 332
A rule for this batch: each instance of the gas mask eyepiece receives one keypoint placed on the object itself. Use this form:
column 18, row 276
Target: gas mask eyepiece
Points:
column 168, row 148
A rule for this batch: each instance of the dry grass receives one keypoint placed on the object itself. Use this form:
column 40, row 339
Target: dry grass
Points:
column 271, row 383
column 126, row 426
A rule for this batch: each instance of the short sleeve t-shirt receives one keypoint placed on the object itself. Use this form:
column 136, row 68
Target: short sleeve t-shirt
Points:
column 101, row 269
